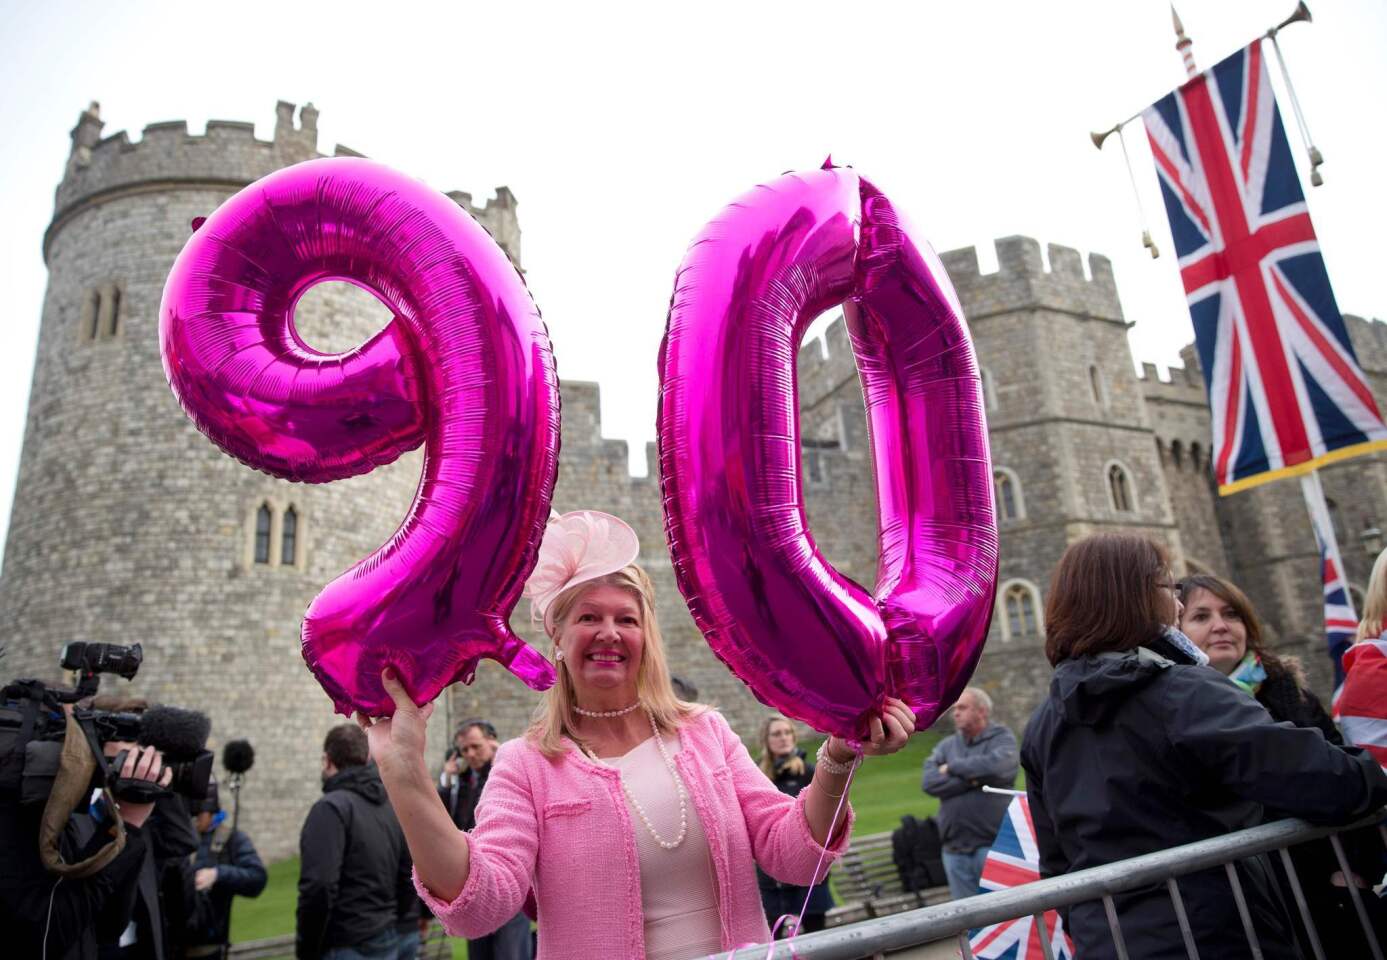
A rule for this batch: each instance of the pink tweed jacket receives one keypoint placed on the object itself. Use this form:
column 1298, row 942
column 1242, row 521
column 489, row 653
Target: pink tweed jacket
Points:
column 561, row 826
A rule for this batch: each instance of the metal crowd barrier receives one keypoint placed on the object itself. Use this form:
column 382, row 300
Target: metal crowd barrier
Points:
column 876, row 938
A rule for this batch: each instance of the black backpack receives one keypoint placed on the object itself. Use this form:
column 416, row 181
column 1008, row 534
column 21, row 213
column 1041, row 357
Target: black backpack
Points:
column 916, row 851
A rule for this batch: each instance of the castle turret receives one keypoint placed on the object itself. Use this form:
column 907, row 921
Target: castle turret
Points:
column 128, row 525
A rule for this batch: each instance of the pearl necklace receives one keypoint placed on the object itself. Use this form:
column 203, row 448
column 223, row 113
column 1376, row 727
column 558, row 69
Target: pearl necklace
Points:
column 605, row 713
column 678, row 788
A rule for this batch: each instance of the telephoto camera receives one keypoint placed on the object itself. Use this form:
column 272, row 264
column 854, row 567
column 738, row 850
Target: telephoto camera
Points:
column 33, row 727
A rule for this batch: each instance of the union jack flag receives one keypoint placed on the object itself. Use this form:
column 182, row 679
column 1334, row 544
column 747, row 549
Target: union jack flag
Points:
column 1340, row 620
column 1285, row 388
column 1013, row 860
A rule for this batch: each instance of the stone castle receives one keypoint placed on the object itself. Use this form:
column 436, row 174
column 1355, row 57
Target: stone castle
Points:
column 128, row 525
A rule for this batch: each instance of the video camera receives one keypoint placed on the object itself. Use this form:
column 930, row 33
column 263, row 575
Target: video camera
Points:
column 33, row 727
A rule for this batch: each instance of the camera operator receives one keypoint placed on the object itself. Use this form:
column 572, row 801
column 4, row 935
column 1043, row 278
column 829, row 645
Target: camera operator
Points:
column 137, row 931
column 225, row 865
column 56, row 916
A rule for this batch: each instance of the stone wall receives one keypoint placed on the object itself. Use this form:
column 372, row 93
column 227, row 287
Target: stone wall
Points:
column 129, row 525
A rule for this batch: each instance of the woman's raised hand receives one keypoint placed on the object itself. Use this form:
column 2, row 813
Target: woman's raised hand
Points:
column 397, row 742
column 887, row 733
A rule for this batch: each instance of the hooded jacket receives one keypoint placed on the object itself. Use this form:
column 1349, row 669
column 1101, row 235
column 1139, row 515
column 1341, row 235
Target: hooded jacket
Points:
column 1135, row 752
column 354, row 880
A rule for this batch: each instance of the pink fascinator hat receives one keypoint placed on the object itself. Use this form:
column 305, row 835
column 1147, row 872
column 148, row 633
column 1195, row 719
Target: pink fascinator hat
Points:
column 577, row 547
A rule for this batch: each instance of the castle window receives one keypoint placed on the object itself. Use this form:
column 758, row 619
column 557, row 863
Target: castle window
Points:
column 100, row 316
column 262, row 534
column 1006, row 486
column 111, row 327
column 989, row 390
column 1355, row 597
column 1196, row 454
column 1099, row 388
column 1177, row 454
column 289, row 537
column 1336, row 520
column 1120, row 488
column 1020, row 602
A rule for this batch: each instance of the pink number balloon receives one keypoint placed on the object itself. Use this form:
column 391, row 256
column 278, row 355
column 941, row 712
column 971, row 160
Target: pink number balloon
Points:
column 806, row 639
column 465, row 368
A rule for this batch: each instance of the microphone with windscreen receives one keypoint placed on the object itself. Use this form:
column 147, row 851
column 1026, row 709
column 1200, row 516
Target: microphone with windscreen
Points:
column 238, row 756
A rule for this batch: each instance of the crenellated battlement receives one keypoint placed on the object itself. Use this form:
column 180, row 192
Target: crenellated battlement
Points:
column 226, row 155
column 1022, row 281
column 1182, row 383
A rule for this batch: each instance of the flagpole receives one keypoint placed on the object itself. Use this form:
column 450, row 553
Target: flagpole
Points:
column 1183, row 44
column 1322, row 526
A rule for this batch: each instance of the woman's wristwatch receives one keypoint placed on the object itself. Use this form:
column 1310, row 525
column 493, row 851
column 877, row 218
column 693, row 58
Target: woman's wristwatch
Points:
column 826, row 762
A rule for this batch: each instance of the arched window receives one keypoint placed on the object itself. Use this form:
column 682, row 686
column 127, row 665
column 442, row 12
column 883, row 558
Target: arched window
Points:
column 112, row 326
column 1020, row 613
column 1196, row 454
column 1120, row 489
column 1096, row 384
column 989, row 390
column 262, row 534
column 1006, row 486
column 1177, row 453
column 1336, row 520
column 289, row 537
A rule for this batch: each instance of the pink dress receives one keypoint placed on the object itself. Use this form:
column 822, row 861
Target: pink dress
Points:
column 677, row 895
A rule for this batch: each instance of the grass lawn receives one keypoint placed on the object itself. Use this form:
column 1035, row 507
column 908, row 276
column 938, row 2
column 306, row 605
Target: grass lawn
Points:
column 884, row 790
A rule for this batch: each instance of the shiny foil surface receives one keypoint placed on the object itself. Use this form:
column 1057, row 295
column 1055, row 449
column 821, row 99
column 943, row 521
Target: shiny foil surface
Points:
column 465, row 368
column 807, row 640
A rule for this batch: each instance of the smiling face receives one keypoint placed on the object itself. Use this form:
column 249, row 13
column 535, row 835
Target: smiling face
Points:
column 780, row 739
column 603, row 638
column 1216, row 628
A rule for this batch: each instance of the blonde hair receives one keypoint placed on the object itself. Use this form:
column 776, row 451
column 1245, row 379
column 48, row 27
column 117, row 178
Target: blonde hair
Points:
column 556, row 719
column 1374, row 601
column 767, row 760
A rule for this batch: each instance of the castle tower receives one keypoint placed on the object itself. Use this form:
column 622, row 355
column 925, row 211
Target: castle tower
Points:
column 1073, row 451
column 128, row 525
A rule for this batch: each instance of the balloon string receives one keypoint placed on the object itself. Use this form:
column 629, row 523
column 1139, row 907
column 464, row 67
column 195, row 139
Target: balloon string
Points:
column 798, row 922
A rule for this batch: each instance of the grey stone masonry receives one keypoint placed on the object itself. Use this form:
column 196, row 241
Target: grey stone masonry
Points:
column 128, row 525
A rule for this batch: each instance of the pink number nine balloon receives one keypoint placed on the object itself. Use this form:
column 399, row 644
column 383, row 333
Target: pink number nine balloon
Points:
column 465, row 368
column 806, row 639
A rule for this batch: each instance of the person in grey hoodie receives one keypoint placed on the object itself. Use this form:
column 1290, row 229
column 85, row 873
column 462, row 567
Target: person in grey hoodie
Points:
column 981, row 753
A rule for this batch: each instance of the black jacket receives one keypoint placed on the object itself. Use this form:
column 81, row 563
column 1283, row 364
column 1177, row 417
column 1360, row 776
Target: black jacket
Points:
column 781, row 898
column 240, row 872
column 171, row 839
column 1331, row 907
column 28, row 892
column 1133, row 753
column 461, row 798
column 355, row 870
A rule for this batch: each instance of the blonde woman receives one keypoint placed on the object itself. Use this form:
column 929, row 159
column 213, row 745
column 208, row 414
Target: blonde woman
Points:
column 790, row 770
column 636, row 818
column 1361, row 707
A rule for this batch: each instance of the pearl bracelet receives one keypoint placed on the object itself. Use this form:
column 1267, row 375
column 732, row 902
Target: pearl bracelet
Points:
column 831, row 766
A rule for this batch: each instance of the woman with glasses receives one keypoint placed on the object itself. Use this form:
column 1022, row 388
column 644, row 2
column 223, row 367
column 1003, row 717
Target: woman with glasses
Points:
column 1140, row 747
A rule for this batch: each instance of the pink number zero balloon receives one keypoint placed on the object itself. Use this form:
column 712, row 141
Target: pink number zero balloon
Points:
column 806, row 639
column 465, row 368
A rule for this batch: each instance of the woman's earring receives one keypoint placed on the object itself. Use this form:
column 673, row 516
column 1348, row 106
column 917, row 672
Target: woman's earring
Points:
column 558, row 655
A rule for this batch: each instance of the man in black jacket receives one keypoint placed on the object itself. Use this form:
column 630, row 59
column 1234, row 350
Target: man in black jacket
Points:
column 354, row 880
column 464, row 777
column 226, row 865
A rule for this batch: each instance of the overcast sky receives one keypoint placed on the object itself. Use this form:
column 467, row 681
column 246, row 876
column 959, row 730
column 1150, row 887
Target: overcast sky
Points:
column 622, row 128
